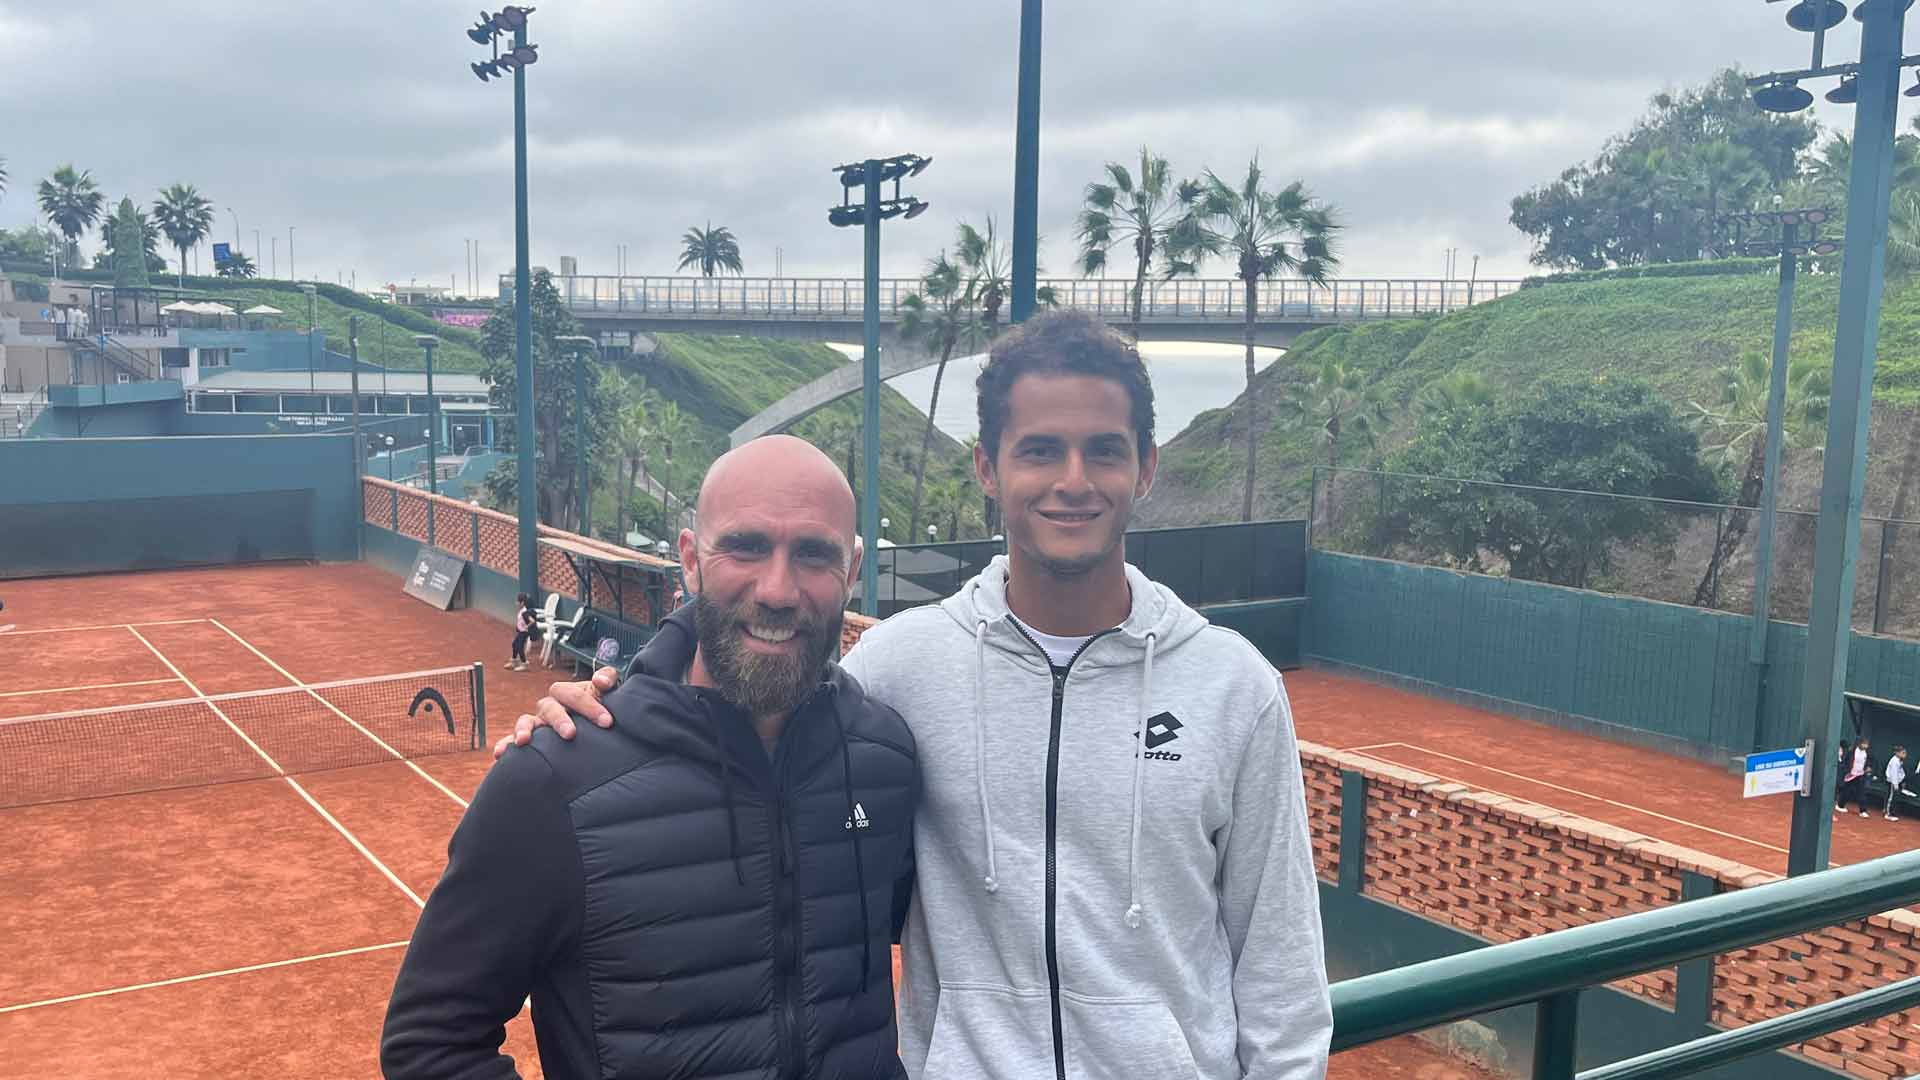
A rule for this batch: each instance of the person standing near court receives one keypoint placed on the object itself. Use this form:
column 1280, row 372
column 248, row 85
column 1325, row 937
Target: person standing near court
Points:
column 1854, row 767
column 1896, row 776
column 709, row 889
column 1114, row 876
column 525, row 621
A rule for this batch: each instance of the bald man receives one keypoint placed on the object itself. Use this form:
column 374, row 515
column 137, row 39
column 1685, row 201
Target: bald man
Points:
column 710, row 886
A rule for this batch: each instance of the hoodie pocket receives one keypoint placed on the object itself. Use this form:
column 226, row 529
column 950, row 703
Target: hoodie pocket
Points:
column 1113, row 1038
column 1006, row 1033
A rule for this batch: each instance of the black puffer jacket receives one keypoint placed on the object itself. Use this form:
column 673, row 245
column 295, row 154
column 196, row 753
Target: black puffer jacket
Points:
column 676, row 904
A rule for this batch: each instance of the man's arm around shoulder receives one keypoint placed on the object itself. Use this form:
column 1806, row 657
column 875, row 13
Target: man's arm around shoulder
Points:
column 1270, row 903
column 507, row 904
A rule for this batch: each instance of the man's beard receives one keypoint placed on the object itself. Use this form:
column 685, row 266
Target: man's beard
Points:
column 762, row 684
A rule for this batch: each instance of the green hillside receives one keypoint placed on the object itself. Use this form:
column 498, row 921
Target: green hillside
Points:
column 1676, row 332
column 720, row 381
column 386, row 330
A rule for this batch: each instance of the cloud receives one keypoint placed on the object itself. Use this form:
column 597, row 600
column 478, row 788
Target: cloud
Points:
column 366, row 132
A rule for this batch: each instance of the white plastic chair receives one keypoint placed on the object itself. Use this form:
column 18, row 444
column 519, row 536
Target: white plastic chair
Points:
column 553, row 627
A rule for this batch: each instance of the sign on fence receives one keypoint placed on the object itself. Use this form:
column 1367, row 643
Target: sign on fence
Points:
column 435, row 578
column 1777, row 772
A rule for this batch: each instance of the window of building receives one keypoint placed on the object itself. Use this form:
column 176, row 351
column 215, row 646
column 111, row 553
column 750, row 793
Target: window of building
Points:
column 256, row 403
column 393, row 405
column 213, row 403
column 211, row 358
column 303, row 403
column 173, row 358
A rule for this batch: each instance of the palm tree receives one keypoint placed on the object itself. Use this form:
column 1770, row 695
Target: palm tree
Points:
column 1265, row 233
column 72, row 201
column 1339, row 401
column 937, row 317
column 710, row 249
column 1723, row 171
column 951, row 499
column 632, row 434
column 1143, row 213
column 137, row 223
column 671, row 428
column 237, row 266
column 186, row 217
column 1455, row 394
column 1735, row 432
column 3, row 176
column 1903, row 232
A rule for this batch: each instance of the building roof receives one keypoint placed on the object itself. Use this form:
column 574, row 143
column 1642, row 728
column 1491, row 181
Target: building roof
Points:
column 240, row 381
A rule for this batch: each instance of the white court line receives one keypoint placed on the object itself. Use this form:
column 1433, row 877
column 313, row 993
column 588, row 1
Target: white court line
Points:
column 1573, row 791
column 103, row 626
column 378, row 741
column 95, row 686
column 203, row 976
column 1370, row 746
column 302, row 792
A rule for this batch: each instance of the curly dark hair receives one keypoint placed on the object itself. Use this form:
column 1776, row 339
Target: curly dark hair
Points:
column 1062, row 343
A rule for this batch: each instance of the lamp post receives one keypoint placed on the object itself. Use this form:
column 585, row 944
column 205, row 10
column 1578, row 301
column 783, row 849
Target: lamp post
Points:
column 1026, row 165
column 427, row 342
column 236, row 231
column 353, row 387
column 292, row 274
column 1874, row 84
column 868, row 175
column 487, row 31
column 389, row 442
column 582, row 347
column 311, row 392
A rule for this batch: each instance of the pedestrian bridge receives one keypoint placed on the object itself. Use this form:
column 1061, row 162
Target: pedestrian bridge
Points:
column 617, row 308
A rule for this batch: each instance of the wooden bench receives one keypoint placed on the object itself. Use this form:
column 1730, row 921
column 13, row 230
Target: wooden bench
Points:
column 583, row 640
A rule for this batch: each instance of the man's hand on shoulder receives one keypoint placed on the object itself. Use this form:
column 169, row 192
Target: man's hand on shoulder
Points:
column 557, row 708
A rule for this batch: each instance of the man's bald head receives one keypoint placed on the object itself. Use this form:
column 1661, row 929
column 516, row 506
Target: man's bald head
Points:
column 777, row 469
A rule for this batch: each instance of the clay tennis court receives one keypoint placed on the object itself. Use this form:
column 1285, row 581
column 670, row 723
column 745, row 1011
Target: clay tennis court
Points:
column 253, row 928
column 248, row 928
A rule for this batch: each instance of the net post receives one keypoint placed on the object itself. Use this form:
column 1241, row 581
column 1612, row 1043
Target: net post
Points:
column 479, row 677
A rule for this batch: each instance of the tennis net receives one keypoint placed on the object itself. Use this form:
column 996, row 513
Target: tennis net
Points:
column 224, row 738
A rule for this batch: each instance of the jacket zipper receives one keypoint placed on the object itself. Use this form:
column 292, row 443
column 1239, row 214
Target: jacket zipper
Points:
column 1053, row 810
column 786, row 893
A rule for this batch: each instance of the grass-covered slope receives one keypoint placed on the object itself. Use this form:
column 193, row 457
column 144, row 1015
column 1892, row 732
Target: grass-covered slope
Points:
column 1676, row 332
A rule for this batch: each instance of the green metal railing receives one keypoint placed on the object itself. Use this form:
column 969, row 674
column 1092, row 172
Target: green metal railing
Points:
column 1551, row 970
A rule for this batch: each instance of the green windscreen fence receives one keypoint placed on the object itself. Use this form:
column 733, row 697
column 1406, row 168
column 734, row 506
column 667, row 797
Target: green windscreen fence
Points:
column 104, row 535
column 1663, row 669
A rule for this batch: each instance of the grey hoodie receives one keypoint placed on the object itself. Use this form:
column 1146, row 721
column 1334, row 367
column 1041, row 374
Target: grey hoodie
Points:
column 1083, row 910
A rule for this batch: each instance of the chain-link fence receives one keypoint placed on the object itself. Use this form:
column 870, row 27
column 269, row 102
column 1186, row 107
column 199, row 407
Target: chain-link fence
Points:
column 1698, row 554
column 1206, row 564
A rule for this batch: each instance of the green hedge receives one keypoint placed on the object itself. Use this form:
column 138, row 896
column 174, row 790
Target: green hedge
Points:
column 28, row 286
column 1704, row 268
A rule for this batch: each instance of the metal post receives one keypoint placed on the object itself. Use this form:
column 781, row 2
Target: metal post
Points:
column 1883, row 575
column 1353, row 832
column 524, row 437
column 1026, row 166
column 580, row 436
column 353, row 357
column 870, row 402
column 1693, row 980
column 433, row 441
column 1555, row 1036
column 1855, row 339
column 1770, row 482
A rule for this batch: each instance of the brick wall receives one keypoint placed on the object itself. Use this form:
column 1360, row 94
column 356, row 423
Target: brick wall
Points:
column 1502, row 869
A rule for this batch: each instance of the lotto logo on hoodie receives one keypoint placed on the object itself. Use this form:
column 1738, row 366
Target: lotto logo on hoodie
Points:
column 1161, row 730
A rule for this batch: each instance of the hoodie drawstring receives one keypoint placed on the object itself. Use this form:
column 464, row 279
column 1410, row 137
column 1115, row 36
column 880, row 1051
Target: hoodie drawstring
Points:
column 991, row 880
column 721, row 762
column 1139, row 776
column 859, row 868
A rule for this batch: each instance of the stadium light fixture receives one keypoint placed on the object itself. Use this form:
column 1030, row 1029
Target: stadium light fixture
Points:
column 1813, row 16
column 868, row 213
column 1783, row 96
column 1847, row 93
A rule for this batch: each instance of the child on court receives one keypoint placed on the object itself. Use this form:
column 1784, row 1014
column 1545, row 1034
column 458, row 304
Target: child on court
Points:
column 524, row 623
column 1896, row 777
column 1854, row 767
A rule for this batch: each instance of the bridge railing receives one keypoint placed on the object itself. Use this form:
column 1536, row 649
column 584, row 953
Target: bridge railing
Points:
column 1179, row 300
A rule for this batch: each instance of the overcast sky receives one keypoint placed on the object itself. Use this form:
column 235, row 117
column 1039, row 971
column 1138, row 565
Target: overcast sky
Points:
column 358, row 123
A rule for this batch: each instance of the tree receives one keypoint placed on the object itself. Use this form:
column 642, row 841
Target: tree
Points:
column 1734, row 434
column 671, row 428
column 26, row 244
column 128, row 233
column 710, row 249
column 632, row 434
column 555, row 450
column 1651, row 193
column 1339, row 401
column 945, row 311
column 237, row 266
column 1265, row 234
column 1595, row 437
column 1141, row 213
column 186, row 217
column 72, row 201
column 3, row 176
column 143, row 228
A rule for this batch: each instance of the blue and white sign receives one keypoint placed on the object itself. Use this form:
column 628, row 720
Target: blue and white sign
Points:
column 221, row 253
column 1776, row 772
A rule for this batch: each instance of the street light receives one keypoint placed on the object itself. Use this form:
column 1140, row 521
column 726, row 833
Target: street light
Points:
column 1875, row 86
column 309, row 290
column 1026, row 165
column 427, row 342
column 868, row 214
column 487, row 31
column 933, row 534
column 582, row 347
